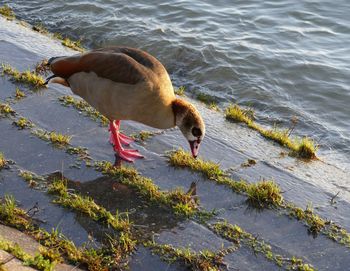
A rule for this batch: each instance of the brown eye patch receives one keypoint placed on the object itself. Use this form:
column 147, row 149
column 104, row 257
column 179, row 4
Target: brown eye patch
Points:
column 196, row 132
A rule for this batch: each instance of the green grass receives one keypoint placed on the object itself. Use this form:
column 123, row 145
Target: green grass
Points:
column 57, row 139
column 301, row 147
column 65, row 41
column 315, row 222
column 6, row 109
column 181, row 202
column 23, row 123
column 19, row 94
column 75, row 45
column 263, row 194
column 237, row 235
column 204, row 260
column 212, row 171
column 180, row 91
column 3, row 161
column 87, row 206
column 182, row 159
column 143, row 136
column 7, row 12
column 26, row 77
column 208, row 100
column 57, row 247
column 38, row 261
column 11, row 215
column 83, row 106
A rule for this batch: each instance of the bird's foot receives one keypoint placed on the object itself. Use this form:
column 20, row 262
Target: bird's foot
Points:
column 124, row 139
column 128, row 155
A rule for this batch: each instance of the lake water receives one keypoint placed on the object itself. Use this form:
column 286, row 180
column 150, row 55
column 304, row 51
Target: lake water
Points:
column 282, row 58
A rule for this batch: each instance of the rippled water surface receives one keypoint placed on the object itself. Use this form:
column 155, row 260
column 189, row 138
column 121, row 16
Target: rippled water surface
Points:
column 283, row 58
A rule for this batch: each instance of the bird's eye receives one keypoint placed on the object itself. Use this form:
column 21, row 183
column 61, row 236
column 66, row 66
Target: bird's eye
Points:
column 196, row 132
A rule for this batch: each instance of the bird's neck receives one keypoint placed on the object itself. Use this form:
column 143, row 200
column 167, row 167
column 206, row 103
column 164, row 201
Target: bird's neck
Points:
column 180, row 108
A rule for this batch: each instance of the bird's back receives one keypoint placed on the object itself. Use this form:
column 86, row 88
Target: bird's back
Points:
column 122, row 83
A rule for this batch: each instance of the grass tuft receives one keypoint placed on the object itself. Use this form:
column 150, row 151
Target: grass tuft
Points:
column 57, row 139
column 3, row 161
column 11, row 215
column 6, row 109
column 208, row 100
column 264, row 194
column 236, row 113
column 65, row 41
column 26, row 77
column 180, row 91
column 19, row 94
column 7, row 12
column 23, row 123
column 303, row 148
column 181, row 158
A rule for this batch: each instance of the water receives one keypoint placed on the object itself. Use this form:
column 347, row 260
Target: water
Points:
column 283, row 58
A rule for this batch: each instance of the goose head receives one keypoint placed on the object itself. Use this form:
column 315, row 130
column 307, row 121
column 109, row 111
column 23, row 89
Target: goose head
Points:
column 190, row 123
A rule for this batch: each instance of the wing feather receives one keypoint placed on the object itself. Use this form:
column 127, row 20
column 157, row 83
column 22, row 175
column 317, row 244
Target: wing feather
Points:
column 116, row 66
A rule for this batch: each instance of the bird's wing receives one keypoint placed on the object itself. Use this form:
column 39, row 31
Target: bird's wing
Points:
column 116, row 66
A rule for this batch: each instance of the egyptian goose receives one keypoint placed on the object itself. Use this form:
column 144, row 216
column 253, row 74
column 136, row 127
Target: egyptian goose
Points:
column 128, row 84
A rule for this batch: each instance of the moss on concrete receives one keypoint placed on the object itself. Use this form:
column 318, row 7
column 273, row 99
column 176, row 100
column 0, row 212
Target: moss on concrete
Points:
column 302, row 147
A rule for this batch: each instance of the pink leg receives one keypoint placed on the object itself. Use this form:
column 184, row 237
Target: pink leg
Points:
column 127, row 155
column 125, row 140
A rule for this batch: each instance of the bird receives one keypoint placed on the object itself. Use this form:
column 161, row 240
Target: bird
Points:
column 125, row 83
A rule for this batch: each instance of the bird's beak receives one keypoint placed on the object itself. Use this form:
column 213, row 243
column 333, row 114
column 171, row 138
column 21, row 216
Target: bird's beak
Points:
column 194, row 144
